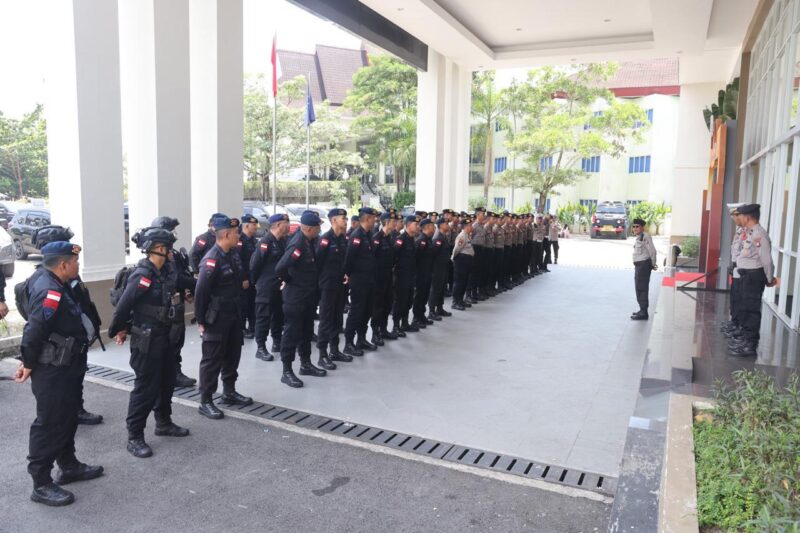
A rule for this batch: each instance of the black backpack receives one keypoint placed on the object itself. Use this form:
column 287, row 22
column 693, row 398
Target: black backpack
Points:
column 120, row 282
column 22, row 298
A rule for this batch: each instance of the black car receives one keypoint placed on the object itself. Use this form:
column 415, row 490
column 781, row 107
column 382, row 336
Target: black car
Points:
column 21, row 228
column 610, row 219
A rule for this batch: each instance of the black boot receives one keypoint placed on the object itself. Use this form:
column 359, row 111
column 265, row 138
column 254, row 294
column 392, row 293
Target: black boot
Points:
column 458, row 306
column 641, row 315
column 308, row 369
column 88, row 419
column 290, row 379
column 398, row 331
column 388, row 335
column 433, row 316
column 139, row 448
column 263, row 354
column 52, row 495
column 248, row 334
column 351, row 350
column 182, row 380
column 324, row 361
column 276, row 346
column 208, row 409
column 420, row 323
column 167, row 428
column 377, row 340
column 364, row 344
column 411, row 328
column 234, row 398
column 442, row 313
column 81, row 472
column 336, row 355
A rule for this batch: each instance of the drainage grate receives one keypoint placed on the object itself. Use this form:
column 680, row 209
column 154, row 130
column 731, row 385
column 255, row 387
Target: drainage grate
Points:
column 409, row 443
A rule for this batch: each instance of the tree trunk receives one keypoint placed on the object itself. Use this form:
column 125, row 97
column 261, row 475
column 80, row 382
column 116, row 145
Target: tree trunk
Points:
column 542, row 200
column 19, row 178
column 487, row 164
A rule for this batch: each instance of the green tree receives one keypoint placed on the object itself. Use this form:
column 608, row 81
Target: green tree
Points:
column 384, row 102
column 23, row 155
column 514, row 100
column 487, row 108
column 560, row 126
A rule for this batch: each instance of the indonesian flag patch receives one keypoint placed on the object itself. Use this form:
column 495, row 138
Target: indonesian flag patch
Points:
column 52, row 300
column 211, row 263
column 324, row 243
column 438, row 243
column 357, row 241
column 239, row 243
column 144, row 283
column 264, row 246
column 399, row 242
column 296, row 254
column 376, row 242
column 201, row 242
column 423, row 243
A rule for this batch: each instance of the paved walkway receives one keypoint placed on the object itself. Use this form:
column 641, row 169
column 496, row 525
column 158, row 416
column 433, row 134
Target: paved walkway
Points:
column 235, row 475
column 547, row 372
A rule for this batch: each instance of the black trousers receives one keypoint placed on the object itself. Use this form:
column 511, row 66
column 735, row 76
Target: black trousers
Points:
column 382, row 302
column 534, row 252
column 554, row 244
column 438, row 280
column 421, row 295
column 331, row 315
column 298, row 329
column 736, row 290
column 52, row 435
column 548, row 258
column 462, row 267
column 506, row 275
column 497, row 267
column 249, row 309
column 155, row 379
column 641, row 278
column 477, row 268
column 361, row 294
column 269, row 319
column 450, row 276
column 403, row 295
column 222, row 349
column 753, row 282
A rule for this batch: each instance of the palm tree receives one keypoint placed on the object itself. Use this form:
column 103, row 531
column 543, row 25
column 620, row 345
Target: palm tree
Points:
column 514, row 103
column 487, row 107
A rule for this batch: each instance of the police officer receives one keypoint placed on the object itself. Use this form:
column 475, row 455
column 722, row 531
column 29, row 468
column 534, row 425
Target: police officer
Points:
column 149, row 309
column 269, row 298
column 359, row 267
column 180, row 269
column 440, row 243
column 331, row 248
column 553, row 230
column 424, row 270
column 217, row 309
column 539, row 232
column 405, row 266
column 497, row 257
column 463, row 256
column 757, row 270
column 298, row 270
column 382, row 242
column 53, row 354
column 731, row 327
column 202, row 244
column 479, row 245
column 246, row 247
column 644, row 262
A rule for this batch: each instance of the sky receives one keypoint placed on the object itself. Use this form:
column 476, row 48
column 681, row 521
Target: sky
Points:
column 24, row 28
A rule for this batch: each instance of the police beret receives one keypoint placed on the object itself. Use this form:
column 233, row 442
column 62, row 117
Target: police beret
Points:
column 412, row 218
column 639, row 222
column 750, row 209
column 480, row 209
column 220, row 221
column 310, row 218
column 249, row 219
column 211, row 220
column 424, row 222
column 466, row 221
column 60, row 248
column 421, row 214
column 278, row 217
column 433, row 214
column 397, row 216
column 354, row 218
column 367, row 211
column 337, row 212
column 386, row 215
column 441, row 220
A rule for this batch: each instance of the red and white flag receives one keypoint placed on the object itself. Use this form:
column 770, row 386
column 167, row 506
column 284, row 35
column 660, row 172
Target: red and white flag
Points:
column 276, row 67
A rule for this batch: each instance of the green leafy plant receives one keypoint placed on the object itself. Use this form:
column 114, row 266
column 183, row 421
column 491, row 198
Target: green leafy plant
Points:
column 652, row 213
column 476, row 201
column 524, row 208
column 404, row 198
column 690, row 246
column 726, row 106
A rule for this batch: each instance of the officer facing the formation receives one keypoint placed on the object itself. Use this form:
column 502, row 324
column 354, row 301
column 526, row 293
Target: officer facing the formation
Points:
column 755, row 266
column 440, row 243
column 53, row 354
column 246, row 246
column 463, row 257
column 731, row 327
column 269, row 300
column 359, row 267
column 217, row 309
column 298, row 270
column 553, row 229
column 331, row 250
column 644, row 262
column 202, row 244
column 150, row 310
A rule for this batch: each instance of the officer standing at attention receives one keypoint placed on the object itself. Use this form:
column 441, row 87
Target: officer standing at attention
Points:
column 53, row 355
column 479, row 245
column 298, row 270
column 404, row 276
column 269, row 299
column 202, row 244
column 148, row 309
column 359, row 266
column 644, row 262
column 217, row 309
column 463, row 257
column 554, row 228
column 382, row 242
column 441, row 258
column 424, row 269
column 246, row 246
column 331, row 249
column 754, row 264
column 731, row 327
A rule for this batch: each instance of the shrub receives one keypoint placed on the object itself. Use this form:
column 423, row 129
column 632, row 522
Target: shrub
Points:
column 690, row 246
column 476, row 201
column 404, row 198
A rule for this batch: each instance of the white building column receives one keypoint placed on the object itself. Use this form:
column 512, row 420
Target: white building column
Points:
column 692, row 156
column 217, row 130
column 443, row 127
column 83, row 131
column 154, row 44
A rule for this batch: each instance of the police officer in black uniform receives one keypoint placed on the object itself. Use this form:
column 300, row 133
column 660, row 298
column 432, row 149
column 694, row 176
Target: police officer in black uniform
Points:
column 440, row 243
column 359, row 266
column 202, row 244
column 53, row 354
column 298, row 270
column 405, row 254
column 382, row 242
column 424, row 269
column 246, row 246
column 269, row 299
column 331, row 248
column 150, row 310
column 217, row 310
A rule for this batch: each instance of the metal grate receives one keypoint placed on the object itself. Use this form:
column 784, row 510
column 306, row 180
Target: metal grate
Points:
column 409, row 443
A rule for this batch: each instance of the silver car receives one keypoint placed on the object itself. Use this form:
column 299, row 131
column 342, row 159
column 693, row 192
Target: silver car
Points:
column 6, row 253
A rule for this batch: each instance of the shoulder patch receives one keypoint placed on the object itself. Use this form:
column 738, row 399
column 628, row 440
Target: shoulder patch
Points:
column 757, row 241
column 356, row 241
column 297, row 253
column 423, row 243
column 52, row 300
column 265, row 246
column 144, row 283
column 460, row 242
column 324, row 242
column 239, row 244
column 399, row 242
column 201, row 242
column 438, row 243
column 376, row 242
column 211, row 263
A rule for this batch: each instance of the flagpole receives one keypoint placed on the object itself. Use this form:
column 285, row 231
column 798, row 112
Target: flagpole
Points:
column 308, row 144
column 274, row 151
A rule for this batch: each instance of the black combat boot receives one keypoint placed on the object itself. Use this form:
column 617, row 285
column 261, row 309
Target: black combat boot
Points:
column 388, row 335
column 458, row 306
column 351, row 349
column 398, row 330
column 443, row 313
column 79, row 472
column 165, row 427
column 52, row 495
column 234, row 398
column 308, row 369
column 411, row 328
column 182, row 380
column 276, row 346
column 208, row 409
column 336, row 355
column 377, row 338
column 324, row 361
column 433, row 316
column 88, row 419
column 364, row 344
column 138, row 447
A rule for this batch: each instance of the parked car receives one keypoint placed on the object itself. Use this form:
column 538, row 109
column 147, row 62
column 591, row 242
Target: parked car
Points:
column 23, row 225
column 610, row 219
column 7, row 212
column 298, row 209
column 7, row 254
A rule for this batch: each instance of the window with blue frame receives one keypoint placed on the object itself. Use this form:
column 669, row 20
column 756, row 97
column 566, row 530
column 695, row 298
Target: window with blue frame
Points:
column 591, row 164
column 546, row 205
column 639, row 123
column 587, row 202
column 595, row 114
column 497, row 126
column 639, row 164
column 500, row 164
column 545, row 163
column 500, row 201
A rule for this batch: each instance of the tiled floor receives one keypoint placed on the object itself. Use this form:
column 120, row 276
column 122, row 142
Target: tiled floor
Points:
column 549, row 372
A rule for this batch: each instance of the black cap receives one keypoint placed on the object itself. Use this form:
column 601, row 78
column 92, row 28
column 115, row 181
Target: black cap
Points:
column 639, row 222
column 310, row 218
column 249, row 219
column 354, row 218
column 750, row 209
column 367, row 211
column 337, row 212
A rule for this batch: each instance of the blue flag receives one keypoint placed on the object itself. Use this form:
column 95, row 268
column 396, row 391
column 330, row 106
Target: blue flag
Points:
column 310, row 116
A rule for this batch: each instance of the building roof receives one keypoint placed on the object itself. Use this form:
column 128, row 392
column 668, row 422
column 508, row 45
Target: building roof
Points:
column 640, row 78
column 331, row 70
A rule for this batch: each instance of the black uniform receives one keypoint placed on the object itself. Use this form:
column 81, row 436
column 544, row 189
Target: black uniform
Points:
column 54, row 346
column 424, row 270
column 246, row 247
column 298, row 268
column 269, row 299
column 404, row 276
column 360, row 268
column 330, row 254
column 202, row 244
column 383, row 245
column 217, row 309
column 150, row 310
column 178, row 268
column 441, row 260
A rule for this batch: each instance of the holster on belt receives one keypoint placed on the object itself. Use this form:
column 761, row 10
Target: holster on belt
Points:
column 60, row 351
column 141, row 338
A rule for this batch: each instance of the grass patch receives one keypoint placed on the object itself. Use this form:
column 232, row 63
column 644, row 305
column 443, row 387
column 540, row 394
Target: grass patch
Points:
column 748, row 457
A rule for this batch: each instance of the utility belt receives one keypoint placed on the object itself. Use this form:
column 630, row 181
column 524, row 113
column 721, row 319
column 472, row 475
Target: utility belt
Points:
column 61, row 351
column 217, row 305
column 165, row 315
column 744, row 272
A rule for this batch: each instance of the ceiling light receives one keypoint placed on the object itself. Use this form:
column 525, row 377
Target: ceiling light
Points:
column 679, row 52
column 400, row 8
column 606, row 20
column 519, row 29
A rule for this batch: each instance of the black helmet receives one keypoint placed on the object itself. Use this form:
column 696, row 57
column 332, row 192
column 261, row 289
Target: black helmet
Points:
column 47, row 234
column 145, row 239
column 167, row 223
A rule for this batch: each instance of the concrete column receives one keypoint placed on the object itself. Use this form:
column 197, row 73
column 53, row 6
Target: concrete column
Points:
column 443, row 122
column 83, row 131
column 154, row 44
column 215, row 50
